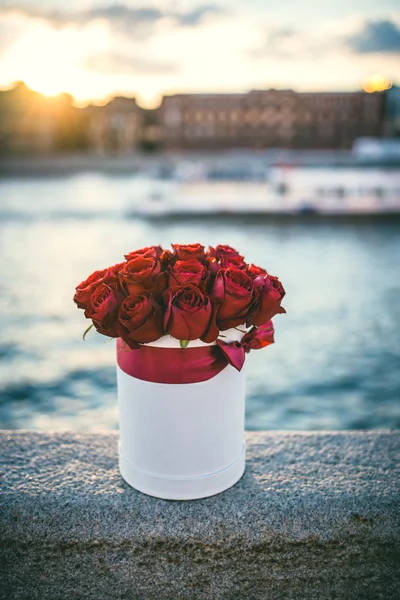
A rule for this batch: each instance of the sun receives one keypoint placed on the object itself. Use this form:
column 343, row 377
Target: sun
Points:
column 51, row 62
column 45, row 83
column 376, row 83
column 50, row 65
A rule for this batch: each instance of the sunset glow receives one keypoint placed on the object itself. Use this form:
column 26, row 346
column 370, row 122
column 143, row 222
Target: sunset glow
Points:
column 94, row 51
column 377, row 83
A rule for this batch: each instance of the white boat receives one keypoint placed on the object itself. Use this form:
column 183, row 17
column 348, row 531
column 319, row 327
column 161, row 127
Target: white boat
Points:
column 197, row 190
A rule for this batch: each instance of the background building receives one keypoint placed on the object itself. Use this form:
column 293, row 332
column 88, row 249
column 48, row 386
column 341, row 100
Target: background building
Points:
column 34, row 124
column 115, row 127
column 31, row 123
column 270, row 119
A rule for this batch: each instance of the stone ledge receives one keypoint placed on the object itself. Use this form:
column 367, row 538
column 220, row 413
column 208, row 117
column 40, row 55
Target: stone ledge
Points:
column 316, row 515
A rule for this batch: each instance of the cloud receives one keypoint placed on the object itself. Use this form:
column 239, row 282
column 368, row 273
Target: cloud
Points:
column 126, row 64
column 382, row 37
column 196, row 16
column 119, row 16
column 378, row 36
column 278, row 43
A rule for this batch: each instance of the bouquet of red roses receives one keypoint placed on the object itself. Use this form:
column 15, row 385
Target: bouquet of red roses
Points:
column 181, row 410
column 189, row 293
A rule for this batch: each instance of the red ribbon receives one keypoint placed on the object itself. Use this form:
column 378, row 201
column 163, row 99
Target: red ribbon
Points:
column 190, row 365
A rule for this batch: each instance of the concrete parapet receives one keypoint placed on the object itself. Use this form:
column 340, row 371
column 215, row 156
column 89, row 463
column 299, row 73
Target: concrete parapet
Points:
column 316, row 515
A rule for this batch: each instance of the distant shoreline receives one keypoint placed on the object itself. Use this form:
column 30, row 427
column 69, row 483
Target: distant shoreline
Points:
column 131, row 164
column 71, row 164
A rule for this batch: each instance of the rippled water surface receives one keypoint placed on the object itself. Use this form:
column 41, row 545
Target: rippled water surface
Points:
column 336, row 360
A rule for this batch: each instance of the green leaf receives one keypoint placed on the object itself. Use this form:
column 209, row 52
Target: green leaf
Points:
column 87, row 331
column 184, row 343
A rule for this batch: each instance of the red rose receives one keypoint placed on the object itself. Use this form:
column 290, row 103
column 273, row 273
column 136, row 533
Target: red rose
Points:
column 235, row 261
column 189, row 314
column 224, row 256
column 224, row 253
column 234, row 291
column 141, row 320
column 85, row 289
column 102, row 309
column 255, row 271
column 268, row 303
column 189, row 251
column 112, row 273
column 111, row 278
column 139, row 275
column 147, row 252
column 184, row 272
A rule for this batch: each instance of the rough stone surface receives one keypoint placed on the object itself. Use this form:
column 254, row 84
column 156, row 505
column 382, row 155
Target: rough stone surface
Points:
column 316, row 515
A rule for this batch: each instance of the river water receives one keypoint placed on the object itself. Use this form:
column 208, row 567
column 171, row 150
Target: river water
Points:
column 336, row 360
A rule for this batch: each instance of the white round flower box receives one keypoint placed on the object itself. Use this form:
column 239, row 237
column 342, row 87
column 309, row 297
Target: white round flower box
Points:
column 182, row 441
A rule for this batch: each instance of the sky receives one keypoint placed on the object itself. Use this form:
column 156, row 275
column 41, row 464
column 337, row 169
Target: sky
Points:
column 94, row 49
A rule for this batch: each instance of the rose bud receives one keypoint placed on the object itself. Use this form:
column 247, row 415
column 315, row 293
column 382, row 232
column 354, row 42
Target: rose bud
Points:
column 234, row 291
column 255, row 271
column 147, row 252
column 102, row 309
column 184, row 272
column 268, row 303
column 189, row 314
column 139, row 274
column 189, row 251
column 85, row 289
column 141, row 320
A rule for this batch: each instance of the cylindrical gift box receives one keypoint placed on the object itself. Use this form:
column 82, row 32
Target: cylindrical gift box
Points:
column 186, row 440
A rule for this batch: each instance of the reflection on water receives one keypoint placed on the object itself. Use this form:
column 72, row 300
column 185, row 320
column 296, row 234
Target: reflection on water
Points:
column 336, row 361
